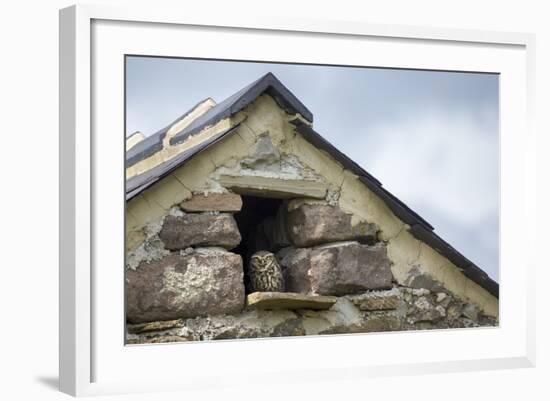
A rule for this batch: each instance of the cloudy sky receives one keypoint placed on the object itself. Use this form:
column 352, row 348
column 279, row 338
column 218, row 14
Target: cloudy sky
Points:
column 430, row 137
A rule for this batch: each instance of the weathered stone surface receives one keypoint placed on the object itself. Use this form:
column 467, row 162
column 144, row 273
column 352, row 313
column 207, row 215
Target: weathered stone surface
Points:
column 156, row 339
column 152, row 248
column 311, row 224
column 180, row 232
column 377, row 300
column 213, row 202
column 205, row 282
column 440, row 297
column 348, row 268
column 296, row 263
column 265, row 155
column 454, row 311
column 288, row 300
column 342, row 317
column 470, row 311
column 253, row 323
column 342, row 314
column 418, row 310
column 337, row 269
column 420, row 280
column 425, row 311
column 153, row 326
column 345, row 317
column 273, row 187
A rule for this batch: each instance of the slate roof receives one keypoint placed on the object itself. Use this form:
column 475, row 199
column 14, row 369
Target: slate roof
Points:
column 135, row 185
column 267, row 84
column 153, row 143
column 419, row 228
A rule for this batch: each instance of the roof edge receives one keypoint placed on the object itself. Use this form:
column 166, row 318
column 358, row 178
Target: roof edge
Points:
column 267, row 84
column 419, row 228
column 154, row 141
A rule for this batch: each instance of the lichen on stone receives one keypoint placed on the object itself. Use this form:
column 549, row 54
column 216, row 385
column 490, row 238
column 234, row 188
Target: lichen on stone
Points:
column 333, row 196
column 175, row 211
column 151, row 249
column 417, row 310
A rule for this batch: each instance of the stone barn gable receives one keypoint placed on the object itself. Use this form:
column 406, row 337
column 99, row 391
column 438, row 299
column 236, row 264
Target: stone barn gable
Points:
column 260, row 143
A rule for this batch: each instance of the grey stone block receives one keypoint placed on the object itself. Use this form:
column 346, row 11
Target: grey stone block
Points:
column 348, row 268
column 205, row 282
column 180, row 232
column 310, row 225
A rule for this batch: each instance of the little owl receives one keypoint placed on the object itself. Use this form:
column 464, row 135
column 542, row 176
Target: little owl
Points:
column 265, row 272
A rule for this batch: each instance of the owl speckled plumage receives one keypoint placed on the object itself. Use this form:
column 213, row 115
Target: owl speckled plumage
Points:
column 265, row 272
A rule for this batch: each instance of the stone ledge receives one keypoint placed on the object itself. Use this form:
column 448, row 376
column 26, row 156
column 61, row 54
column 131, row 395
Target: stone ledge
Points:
column 289, row 300
column 214, row 202
column 377, row 300
column 257, row 185
column 154, row 326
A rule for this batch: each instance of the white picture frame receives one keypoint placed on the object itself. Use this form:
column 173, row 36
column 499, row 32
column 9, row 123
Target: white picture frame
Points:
column 94, row 361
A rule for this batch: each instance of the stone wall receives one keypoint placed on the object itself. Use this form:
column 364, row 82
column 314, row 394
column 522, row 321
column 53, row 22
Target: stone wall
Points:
column 184, row 267
column 349, row 264
column 185, row 282
column 399, row 308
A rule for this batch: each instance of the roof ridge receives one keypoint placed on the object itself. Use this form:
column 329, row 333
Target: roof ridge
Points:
column 239, row 100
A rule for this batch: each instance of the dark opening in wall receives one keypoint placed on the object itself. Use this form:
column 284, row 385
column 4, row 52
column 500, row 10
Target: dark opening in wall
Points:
column 261, row 225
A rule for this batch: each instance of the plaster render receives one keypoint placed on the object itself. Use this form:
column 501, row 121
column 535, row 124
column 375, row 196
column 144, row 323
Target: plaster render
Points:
column 197, row 111
column 134, row 139
column 169, row 152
